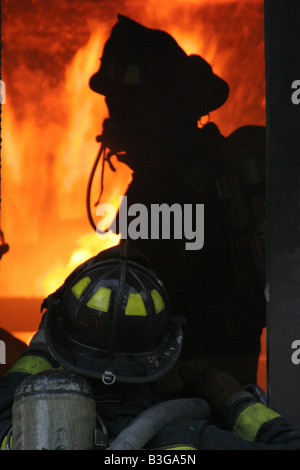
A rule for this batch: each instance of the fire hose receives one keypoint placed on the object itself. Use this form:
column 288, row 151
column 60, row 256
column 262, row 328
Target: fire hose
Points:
column 147, row 424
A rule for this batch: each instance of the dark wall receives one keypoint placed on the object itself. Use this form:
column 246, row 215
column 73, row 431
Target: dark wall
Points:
column 282, row 35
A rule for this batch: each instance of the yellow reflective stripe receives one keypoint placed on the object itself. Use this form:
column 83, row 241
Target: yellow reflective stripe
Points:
column 135, row 305
column 100, row 300
column 80, row 286
column 168, row 447
column 3, row 444
column 30, row 365
column 250, row 420
column 177, row 447
column 158, row 301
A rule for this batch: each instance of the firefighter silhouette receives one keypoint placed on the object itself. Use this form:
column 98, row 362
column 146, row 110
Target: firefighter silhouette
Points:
column 156, row 94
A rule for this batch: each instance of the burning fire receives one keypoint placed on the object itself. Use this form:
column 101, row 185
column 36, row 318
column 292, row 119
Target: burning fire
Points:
column 51, row 118
column 46, row 171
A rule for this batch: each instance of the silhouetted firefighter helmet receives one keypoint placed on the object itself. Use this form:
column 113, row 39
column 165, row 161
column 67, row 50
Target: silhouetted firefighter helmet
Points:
column 112, row 320
column 148, row 65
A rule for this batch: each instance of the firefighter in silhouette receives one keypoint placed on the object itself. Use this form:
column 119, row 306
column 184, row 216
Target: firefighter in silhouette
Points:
column 156, row 94
column 112, row 324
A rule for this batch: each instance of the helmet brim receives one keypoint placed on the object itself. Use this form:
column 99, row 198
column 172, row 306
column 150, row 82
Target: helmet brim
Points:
column 145, row 367
column 206, row 97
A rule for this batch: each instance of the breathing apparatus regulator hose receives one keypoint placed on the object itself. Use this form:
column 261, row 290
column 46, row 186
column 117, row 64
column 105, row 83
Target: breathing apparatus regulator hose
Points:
column 106, row 156
column 148, row 423
column 90, row 182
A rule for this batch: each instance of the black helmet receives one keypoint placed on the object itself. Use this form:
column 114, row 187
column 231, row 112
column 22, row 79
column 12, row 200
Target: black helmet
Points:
column 112, row 320
column 149, row 63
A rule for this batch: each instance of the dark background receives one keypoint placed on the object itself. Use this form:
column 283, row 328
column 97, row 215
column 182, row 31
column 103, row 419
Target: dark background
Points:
column 282, row 21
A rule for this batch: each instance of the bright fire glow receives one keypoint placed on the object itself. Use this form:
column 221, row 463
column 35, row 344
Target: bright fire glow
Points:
column 49, row 124
column 58, row 159
column 49, row 138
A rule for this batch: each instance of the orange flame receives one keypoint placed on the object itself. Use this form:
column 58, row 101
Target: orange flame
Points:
column 48, row 153
column 58, row 188
column 49, row 129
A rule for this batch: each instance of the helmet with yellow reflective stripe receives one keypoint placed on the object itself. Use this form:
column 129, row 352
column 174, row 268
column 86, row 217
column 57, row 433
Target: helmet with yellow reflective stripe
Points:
column 112, row 320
